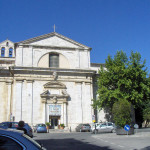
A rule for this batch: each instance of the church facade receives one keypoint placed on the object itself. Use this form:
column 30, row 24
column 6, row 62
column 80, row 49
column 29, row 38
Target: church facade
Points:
column 48, row 78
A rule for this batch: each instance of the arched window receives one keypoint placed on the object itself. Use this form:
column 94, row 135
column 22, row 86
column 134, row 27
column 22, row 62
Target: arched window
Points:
column 10, row 52
column 54, row 60
column 3, row 52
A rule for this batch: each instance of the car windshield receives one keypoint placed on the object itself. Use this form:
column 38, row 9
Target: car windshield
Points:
column 103, row 125
column 110, row 124
column 34, row 142
column 41, row 125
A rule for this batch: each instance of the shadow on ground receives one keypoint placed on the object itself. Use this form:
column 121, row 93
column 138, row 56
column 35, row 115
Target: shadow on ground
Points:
column 69, row 144
column 146, row 148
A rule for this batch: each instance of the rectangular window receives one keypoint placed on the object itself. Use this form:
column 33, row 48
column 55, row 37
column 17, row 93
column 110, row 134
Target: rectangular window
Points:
column 54, row 60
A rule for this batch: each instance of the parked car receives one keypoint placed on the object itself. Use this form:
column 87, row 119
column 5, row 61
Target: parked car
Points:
column 15, row 139
column 40, row 128
column 94, row 124
column 104, row 127
column 83, row 127
column 14, row 125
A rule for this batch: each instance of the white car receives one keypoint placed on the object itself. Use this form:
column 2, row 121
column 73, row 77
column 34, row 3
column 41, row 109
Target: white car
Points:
column 104, row 127
column 15, row 139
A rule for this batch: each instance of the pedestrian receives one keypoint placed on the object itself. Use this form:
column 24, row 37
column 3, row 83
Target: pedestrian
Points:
column 21, row 125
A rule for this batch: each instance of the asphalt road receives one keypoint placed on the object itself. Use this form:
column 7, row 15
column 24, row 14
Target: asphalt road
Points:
column 87, row 141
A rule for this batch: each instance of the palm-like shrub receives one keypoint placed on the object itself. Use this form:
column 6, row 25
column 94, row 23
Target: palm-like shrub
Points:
column 47, row 124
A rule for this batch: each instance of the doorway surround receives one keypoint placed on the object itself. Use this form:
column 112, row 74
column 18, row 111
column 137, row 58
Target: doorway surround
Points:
column 55, row 95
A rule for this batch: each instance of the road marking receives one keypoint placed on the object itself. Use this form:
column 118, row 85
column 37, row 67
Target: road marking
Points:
column 120, row 146
column 112, row 143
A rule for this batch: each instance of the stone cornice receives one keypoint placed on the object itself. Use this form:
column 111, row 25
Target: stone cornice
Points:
column 7, row 59
column 52, row 47
column 49, row 71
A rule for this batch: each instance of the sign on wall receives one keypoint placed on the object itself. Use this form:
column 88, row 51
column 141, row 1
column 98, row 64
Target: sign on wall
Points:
column 93, row 118
column 55, row 110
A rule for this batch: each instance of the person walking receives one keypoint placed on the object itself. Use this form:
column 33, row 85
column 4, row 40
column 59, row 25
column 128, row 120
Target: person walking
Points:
column 21, row 125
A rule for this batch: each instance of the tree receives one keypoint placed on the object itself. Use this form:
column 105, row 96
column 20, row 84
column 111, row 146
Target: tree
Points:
column 123, row 78
column 122, row 112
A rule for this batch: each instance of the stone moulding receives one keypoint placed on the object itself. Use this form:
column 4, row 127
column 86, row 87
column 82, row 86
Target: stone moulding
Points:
column 54, row 99
column 46, row 97
column 55, row 84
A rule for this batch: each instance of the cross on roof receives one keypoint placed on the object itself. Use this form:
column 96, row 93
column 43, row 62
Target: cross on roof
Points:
column 54, row 27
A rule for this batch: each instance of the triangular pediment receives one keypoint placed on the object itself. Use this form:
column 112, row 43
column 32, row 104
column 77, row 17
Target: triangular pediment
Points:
column 55, row 40
column 4, row 43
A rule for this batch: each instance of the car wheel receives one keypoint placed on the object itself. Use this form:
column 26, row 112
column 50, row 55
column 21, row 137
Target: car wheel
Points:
column 113, row 131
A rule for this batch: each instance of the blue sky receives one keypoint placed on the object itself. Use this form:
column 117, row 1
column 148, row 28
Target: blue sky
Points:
column 104, row 25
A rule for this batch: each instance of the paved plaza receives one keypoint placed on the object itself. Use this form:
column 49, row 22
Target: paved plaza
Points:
column 88, row 141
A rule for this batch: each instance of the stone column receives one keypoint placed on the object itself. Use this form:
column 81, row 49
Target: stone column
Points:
column 65, row 114
column 25, row 105
column 44, row 100
column 78, row 106
column 46, row 111
column 9, row 93
column 30, row 101
column 62, row 113
column 18, row 101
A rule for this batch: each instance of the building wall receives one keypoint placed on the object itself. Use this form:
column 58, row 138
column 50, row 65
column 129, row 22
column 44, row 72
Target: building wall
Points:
column 73, row 58
column 20, row 97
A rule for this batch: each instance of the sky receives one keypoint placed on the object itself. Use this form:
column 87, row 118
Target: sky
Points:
column 107, row 26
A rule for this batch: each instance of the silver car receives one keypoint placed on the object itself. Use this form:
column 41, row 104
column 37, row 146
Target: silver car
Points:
column 104, row 127
column 13, row 139
column 83, row 127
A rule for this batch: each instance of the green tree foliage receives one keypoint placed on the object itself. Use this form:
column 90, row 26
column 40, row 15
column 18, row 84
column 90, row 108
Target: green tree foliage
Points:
column 122, row 112
column 123, row 78
column 146, row 113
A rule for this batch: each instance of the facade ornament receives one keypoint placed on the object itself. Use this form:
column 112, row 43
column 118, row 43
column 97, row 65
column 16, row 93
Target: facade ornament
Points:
column 55, row 99
column 55, row 75
column 64, row 92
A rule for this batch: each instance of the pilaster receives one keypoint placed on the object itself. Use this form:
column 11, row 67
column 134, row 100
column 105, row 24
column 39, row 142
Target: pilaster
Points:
column 9, row 100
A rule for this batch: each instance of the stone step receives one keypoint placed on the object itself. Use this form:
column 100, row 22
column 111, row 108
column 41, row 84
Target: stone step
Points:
column 58, row 130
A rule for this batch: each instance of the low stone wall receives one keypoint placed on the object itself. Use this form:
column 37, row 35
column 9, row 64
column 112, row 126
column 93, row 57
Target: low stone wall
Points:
column 123, row 132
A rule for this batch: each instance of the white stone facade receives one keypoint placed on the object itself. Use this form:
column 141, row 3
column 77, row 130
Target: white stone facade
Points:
column 36, row 93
